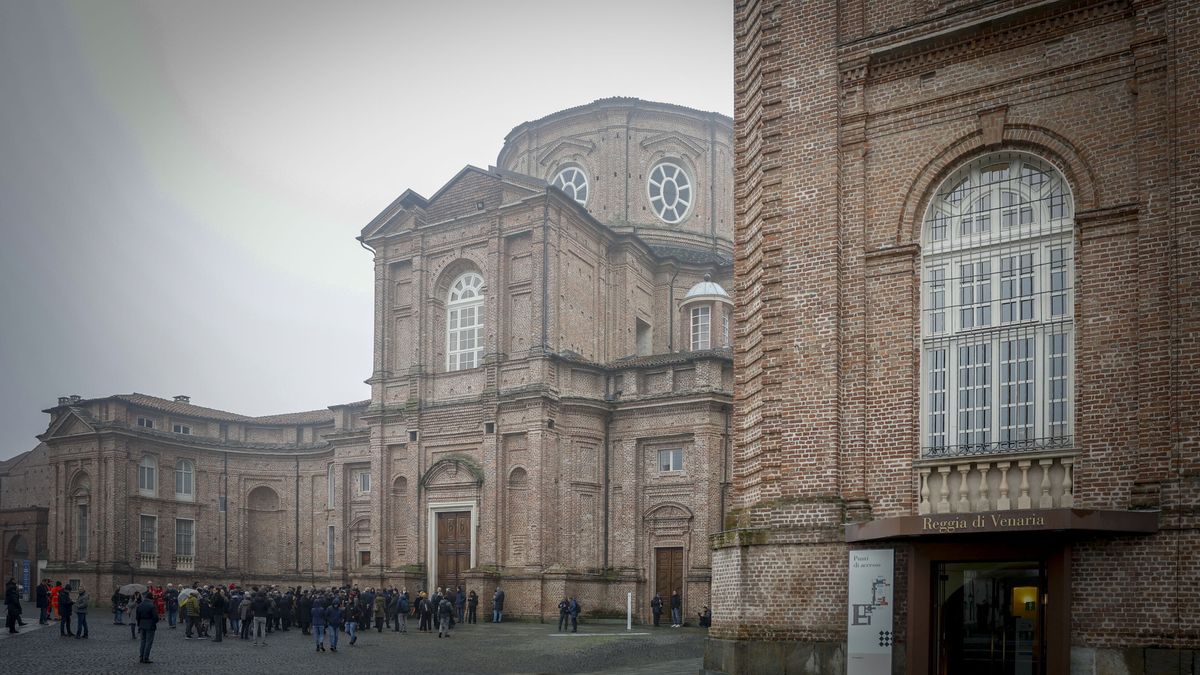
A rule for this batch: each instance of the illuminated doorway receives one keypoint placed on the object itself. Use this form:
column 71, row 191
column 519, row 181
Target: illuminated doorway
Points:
column 988, row 618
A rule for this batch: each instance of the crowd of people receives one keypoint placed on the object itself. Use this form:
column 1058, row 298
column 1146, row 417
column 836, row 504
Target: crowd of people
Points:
column 254, row 613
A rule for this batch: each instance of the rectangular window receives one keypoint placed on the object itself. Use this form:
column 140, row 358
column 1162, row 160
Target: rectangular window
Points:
column 81, row 533
column 701, row 328
column 1056, row 384
column 1014, row 210
column 364, row 558
column 183, row 479
column 363, row 481
column 975, row 294
column 145, row 422
column 185, row 536
column 1058, row 282
column 146, row 477
column 221, row 504
column 725, row 321
column 465, row 337
column 670, row 459
column 182, row 429
column 329, row 487
column 936, row 359
column 979, row 219
column 1016, row 391
column 148, row 535
column 1016, row 288
column 937, row 300
column 330, row 547
column 974, row 395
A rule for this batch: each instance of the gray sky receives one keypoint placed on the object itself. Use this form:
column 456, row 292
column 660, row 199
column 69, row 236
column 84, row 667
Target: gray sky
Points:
column 181, row 182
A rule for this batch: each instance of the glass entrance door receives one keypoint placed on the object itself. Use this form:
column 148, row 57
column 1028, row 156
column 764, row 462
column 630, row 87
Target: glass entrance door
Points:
column 988, row 618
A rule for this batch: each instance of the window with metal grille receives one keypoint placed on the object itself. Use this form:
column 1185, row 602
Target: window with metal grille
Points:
column 997, row 309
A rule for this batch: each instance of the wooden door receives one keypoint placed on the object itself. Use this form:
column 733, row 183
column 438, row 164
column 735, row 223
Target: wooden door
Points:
column 668, row 574
column 453, row 547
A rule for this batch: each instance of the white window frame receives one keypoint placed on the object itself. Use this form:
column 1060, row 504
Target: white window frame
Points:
column 145, row 422
column 465, row 322
column 189, row 537
column 573, row 180
column 362, row 481
column 185, row 471
column 674, row 460
column 1020, row 288
column 181, row 429
column 148, row 476
column 701, row 327
column 667, row 174
column 143, row 518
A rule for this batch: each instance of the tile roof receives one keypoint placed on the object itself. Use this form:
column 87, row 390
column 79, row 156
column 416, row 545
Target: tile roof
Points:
column 322, row 416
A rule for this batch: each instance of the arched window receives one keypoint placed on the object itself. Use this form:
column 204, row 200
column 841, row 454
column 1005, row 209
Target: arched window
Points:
column 148, row 475
column 573, row 181
column 185, row 479
column 997, row 309
column 464, row 322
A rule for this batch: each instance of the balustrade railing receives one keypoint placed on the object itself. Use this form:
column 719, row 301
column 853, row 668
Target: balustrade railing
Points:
column 972, row 484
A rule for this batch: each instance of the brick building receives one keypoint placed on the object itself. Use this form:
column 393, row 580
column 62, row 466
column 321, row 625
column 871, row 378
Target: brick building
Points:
column 549, row 400
column 966, row 265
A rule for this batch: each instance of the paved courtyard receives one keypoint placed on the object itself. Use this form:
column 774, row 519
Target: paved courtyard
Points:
column 511, row 647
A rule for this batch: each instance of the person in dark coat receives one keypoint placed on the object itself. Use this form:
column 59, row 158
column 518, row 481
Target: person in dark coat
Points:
column 676, row 610
column 304, row 615
column 706, row 617
column 260, row 606
column 472, row 605
column 43, row 603
column 575, row 608
column 65, row 604
column 498, row 606
column 147, row 621
column 219, row 605
column 656, row 607
column 334, row 618
column 460, row 604
column 82, row 603
column 444, row 612
column 564, row 612
column 402, row 612
column 12, row 602
column 316, row 618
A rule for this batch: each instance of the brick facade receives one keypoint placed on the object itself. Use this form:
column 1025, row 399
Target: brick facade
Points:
column 550, row 443
column 848, row 117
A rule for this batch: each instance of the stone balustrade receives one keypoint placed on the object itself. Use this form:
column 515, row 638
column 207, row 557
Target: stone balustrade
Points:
column 185, row 563
column 147, row 561
column 972, row 484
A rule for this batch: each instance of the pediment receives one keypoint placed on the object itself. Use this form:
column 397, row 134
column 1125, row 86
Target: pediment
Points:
column 452, row 471
column 673, row 139
column 564, row 146
column 402, row 214
column 669, row 512
column 70, row 424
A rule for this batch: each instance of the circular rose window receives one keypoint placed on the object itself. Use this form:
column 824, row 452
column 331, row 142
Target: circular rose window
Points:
column 670, row 192
column 573, row 181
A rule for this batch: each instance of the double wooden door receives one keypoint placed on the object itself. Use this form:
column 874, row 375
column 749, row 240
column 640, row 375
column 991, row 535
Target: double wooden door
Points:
column 453, row 548
column 668, row 574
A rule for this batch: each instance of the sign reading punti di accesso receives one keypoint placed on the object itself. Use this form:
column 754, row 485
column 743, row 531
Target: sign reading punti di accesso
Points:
column 997, row 522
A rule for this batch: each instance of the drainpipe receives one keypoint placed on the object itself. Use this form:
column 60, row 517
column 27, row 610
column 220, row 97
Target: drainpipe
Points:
column 225, row 489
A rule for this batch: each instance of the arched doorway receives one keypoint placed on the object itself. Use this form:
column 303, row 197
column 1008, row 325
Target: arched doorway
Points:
column 264, row 531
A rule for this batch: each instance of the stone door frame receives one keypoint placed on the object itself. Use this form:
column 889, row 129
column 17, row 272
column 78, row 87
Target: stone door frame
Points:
column 431, row 538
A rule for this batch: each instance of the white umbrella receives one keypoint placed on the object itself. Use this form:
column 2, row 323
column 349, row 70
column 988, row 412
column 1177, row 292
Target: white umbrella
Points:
column 186, row 592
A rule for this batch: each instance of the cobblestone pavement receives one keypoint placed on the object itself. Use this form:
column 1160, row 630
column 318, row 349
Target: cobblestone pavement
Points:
column 511, row 647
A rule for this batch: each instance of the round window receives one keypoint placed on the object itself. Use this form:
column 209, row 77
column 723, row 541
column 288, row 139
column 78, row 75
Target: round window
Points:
column 573, row 181
column 670, row 191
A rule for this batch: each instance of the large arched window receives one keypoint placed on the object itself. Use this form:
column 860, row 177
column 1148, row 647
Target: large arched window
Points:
column 185, row 479
column 464, row 322
column 997, row 309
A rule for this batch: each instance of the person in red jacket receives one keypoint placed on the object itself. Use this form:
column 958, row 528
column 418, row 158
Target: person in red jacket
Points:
column 54, row 600
column 160, row 598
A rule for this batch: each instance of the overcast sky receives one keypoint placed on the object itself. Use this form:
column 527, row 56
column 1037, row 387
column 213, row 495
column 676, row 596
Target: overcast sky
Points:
column 181, row 182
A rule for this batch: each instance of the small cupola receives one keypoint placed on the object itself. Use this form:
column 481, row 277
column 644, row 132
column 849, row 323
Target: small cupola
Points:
column 706, row 313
